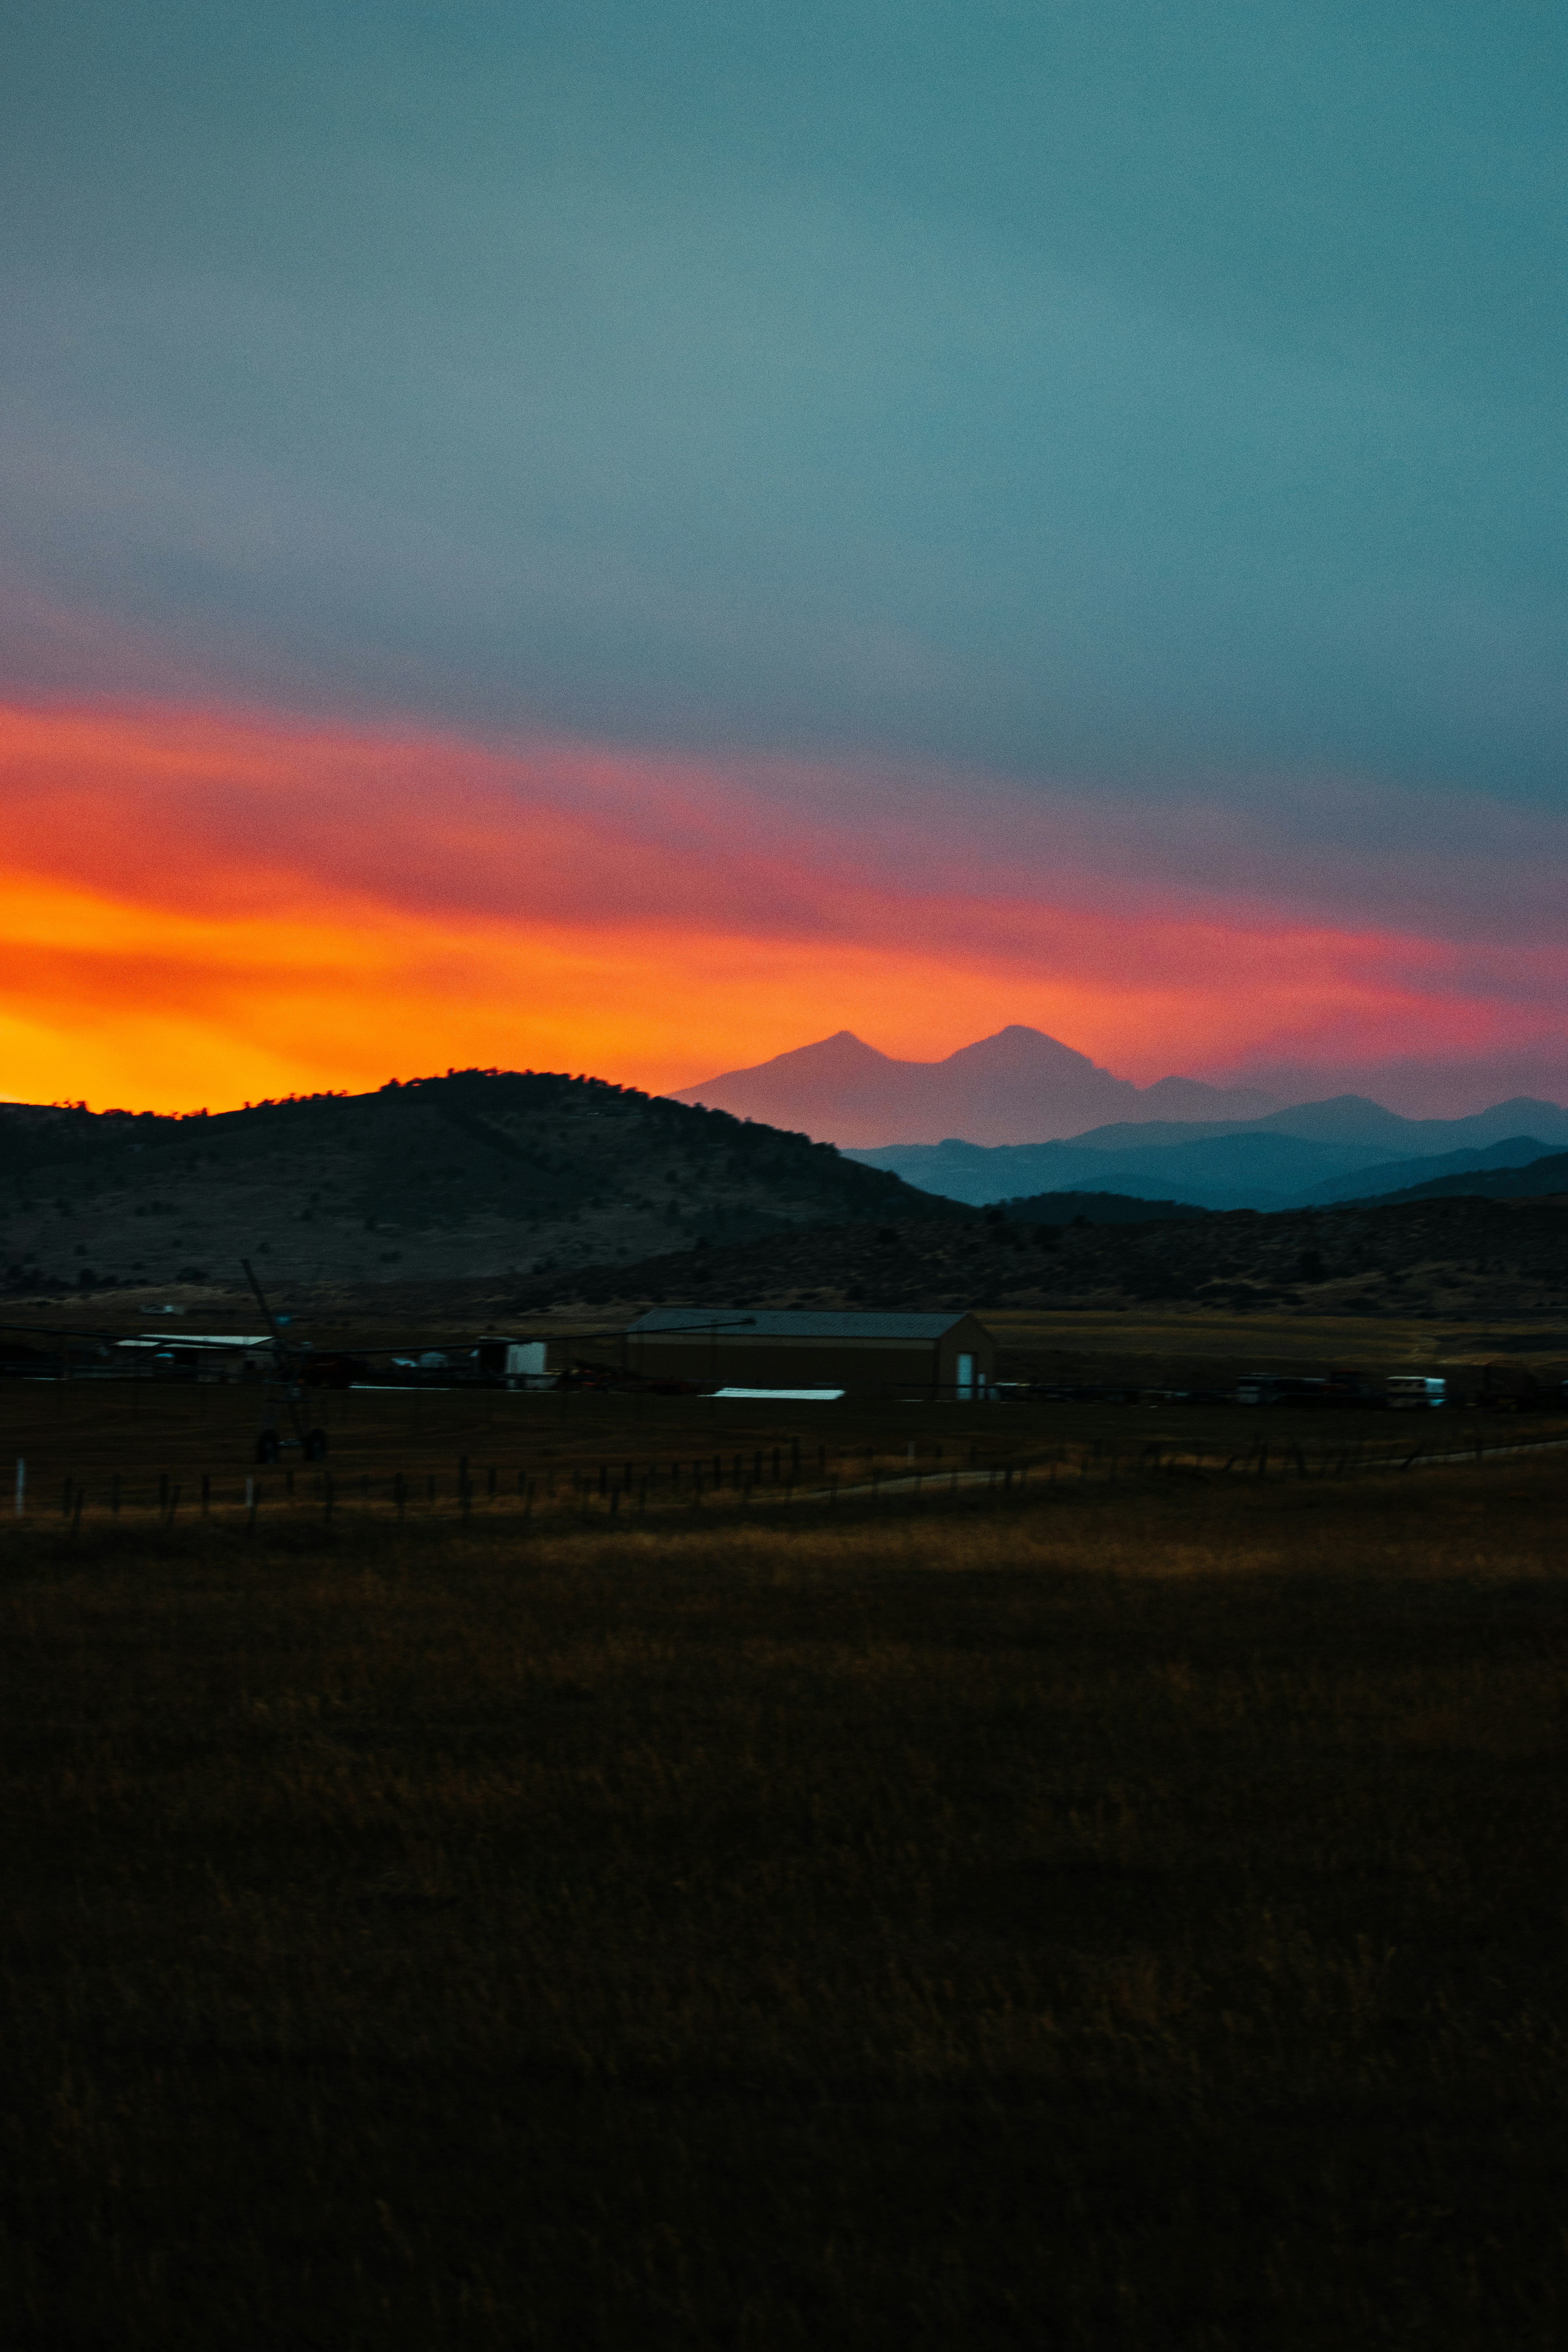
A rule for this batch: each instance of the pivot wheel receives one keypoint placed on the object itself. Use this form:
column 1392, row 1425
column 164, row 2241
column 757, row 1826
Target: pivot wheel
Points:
column 268, row 1445
column 315, row 1445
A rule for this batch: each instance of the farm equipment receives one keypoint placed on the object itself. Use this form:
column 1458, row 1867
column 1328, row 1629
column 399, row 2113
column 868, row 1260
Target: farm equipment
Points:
column 283, row 1397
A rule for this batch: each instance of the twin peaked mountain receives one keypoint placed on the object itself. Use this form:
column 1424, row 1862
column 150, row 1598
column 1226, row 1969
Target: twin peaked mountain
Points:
column 1019, row 1086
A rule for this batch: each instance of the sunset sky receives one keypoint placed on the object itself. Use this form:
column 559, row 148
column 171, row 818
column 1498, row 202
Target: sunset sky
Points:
column 627, row 537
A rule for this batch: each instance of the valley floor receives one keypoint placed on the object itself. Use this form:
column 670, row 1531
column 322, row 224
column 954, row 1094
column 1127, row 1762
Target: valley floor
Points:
column 1124, row 1916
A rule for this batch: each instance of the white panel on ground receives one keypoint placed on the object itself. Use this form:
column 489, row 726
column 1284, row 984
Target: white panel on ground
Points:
column 799, row 1396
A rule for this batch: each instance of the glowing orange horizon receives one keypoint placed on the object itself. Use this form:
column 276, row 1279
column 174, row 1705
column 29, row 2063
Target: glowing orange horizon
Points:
column 203, row 908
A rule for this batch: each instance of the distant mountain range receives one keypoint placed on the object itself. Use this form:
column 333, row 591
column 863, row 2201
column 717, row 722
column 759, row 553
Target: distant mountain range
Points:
column 1023, row 1114
column 1261, row 1165
column 1019, row 1086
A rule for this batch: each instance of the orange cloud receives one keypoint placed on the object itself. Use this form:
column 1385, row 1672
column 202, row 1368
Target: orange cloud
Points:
column 205, row 907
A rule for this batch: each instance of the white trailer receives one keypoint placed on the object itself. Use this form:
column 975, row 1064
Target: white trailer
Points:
column 1409, row 1392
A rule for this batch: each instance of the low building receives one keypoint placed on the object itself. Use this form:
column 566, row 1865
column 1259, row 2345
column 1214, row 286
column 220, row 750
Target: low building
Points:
column 942, row 1356
column 525, row 1363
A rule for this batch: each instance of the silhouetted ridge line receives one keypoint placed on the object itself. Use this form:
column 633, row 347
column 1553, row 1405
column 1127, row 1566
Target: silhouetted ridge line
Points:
column 1017, row 1086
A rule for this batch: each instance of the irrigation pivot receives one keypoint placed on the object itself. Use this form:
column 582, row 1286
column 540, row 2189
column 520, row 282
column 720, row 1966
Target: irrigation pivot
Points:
column 283, row 1399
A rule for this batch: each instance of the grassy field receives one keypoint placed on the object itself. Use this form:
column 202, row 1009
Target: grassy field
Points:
column 1120, row 1915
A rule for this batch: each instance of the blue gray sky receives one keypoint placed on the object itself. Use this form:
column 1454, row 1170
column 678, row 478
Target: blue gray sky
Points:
column 1132, row 406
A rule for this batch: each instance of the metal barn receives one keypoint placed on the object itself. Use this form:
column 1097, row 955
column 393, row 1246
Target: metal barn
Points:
column 942, row 1356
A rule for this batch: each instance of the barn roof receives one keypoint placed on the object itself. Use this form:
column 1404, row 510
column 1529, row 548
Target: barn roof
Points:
column 791, row 1323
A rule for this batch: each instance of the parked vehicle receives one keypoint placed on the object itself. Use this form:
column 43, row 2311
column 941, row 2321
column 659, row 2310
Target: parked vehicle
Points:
column 1410, row 1391
column 1342, row 1386
column 1280, row 1388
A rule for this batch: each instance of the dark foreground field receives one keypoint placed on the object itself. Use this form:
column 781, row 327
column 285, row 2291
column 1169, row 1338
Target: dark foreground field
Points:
column 1127, row 1918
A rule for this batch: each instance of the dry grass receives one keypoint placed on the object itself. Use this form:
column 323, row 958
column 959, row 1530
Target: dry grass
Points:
column 1130, row 1918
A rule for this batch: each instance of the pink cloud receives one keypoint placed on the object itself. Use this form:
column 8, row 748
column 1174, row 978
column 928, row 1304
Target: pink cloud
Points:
column 658, row 917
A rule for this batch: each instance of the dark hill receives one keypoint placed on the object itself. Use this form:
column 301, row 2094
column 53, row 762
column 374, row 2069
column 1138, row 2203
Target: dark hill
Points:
column 475, row 1173
column 1541, row 1178
column 1403, row 1180
column 1461, row 1259
column 1093, row 1209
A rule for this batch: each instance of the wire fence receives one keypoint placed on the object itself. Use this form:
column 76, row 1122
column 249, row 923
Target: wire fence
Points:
column 761, row 1479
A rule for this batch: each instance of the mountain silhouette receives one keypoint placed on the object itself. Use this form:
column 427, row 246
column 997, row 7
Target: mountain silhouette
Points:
column 1317, row 1151
column 1018, row 1086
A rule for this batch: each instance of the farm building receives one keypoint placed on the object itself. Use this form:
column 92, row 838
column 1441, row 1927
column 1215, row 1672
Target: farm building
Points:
column 945, row 1355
